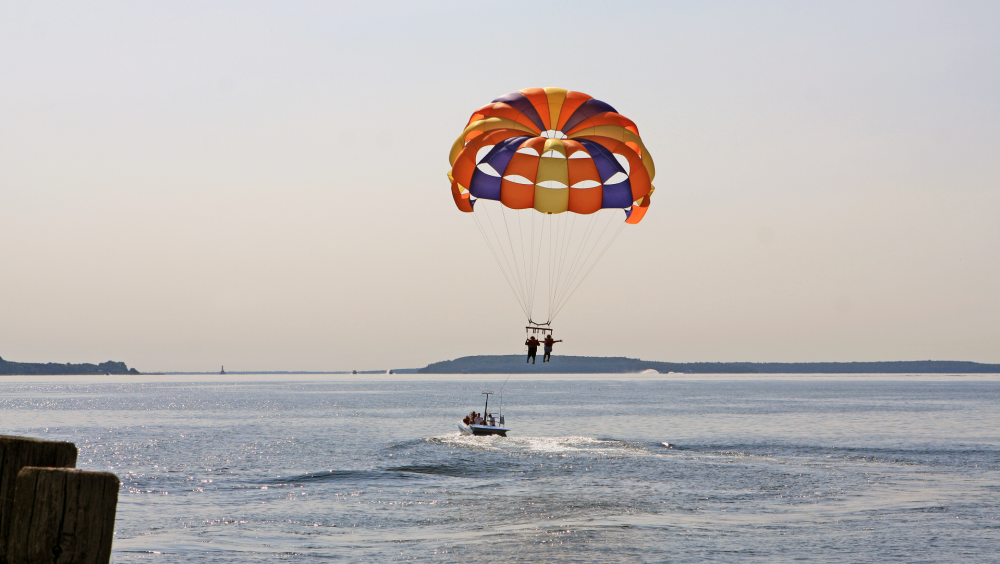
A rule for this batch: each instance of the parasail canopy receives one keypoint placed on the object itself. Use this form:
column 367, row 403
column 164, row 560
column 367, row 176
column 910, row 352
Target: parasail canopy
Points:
column 537, row 153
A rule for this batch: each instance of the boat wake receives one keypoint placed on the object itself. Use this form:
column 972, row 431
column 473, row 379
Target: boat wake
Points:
column 553, row 445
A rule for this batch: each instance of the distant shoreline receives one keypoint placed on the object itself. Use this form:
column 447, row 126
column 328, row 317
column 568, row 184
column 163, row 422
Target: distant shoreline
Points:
column 228, row 372
column 515, row 364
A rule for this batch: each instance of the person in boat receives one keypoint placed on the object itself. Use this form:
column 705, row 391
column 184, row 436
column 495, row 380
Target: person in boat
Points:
column 493, row 421
column 532, row 349
column 548, row 342
column 479, row 420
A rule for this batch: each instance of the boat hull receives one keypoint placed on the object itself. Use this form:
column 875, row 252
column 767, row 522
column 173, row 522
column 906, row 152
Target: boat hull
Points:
column 482, row 430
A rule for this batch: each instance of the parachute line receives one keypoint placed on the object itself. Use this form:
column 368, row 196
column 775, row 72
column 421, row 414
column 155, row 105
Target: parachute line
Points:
column 587, row 230
column 565, row 246
column 563, row 255
column 594, row 264
column 517, row 268
column 497, row 259
column 538, row 255
column 519, row 291
column 574, row 272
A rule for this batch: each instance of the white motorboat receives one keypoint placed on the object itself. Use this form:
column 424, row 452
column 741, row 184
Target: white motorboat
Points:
column 480, row 430
column 489, row 424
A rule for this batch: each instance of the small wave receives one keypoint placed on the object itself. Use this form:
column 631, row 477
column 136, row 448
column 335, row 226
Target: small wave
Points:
column 928, row 509
column 403, row 445
column 404, row 472
column 453, row 470
column 741, row 454
column 337, row 476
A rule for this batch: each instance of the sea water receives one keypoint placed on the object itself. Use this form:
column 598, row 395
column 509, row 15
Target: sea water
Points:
column 605, row 468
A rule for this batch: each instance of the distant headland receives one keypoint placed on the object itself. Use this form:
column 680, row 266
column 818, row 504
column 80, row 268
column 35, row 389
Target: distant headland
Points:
column 8, row 368
column 622, row 365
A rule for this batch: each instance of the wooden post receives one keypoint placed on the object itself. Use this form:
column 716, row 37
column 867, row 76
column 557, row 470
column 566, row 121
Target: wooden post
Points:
column 16, row 453
column 63, row 516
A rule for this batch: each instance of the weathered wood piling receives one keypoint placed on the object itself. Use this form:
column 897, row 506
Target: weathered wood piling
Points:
column 62, row 516
column 50, row 512
column 16, row 453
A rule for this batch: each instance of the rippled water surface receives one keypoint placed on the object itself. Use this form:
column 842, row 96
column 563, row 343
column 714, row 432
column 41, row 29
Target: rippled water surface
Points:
column 597, row 469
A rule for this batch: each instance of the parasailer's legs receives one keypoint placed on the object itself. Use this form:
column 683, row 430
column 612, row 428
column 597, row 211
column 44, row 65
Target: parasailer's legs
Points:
column 547, row 345
column 532, row 344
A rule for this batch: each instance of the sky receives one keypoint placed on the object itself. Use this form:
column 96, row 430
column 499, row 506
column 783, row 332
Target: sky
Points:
column 262, row 185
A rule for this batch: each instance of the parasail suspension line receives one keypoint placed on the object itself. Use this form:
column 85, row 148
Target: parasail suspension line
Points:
column 570, row 254
column 562, row 256
column 576, row 266
column 527, row 306
column 606, row 247
column 496, row 258
column 538, row 255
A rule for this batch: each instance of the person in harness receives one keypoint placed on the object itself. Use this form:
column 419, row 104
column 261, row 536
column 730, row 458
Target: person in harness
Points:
column 548, row 342
column 532, row 348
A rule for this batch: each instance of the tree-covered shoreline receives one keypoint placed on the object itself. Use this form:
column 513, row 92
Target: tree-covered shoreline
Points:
column 8, row 368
